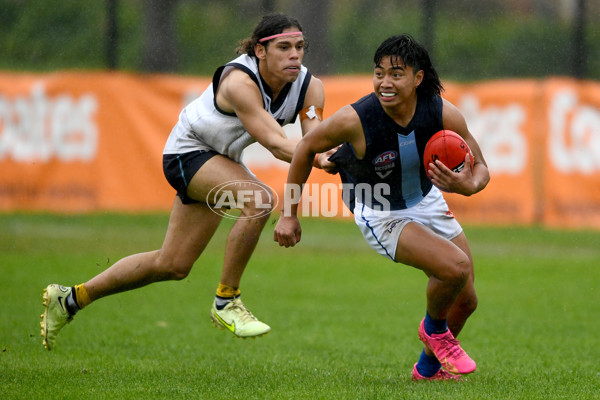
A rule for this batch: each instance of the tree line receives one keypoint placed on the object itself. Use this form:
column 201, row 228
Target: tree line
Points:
column 468, row 39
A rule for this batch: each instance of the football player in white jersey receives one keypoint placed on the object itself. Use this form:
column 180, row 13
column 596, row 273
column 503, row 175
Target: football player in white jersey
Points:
column 249, row 100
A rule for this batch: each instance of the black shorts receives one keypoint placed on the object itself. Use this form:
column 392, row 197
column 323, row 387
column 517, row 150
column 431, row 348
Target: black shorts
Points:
column 179, row 169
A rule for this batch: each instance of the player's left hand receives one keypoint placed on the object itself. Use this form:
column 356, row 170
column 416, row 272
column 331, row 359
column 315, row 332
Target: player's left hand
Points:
column 287, row 231
column 453, row 182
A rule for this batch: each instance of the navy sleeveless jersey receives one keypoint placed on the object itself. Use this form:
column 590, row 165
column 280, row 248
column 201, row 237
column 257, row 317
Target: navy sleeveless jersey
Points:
column 392, row 168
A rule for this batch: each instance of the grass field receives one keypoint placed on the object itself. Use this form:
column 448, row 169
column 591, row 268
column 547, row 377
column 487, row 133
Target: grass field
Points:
column 344, row 320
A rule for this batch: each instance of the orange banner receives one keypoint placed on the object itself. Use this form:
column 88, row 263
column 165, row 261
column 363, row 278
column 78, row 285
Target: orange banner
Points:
column 571, row 154
column 502, row 115
column 89, row 141
column 74, row 142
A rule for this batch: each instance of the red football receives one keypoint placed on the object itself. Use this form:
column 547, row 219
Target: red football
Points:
column 448, row 147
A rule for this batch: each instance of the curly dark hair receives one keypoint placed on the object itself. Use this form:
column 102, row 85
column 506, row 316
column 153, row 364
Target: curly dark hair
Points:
column 406, row 50
column 270, row 24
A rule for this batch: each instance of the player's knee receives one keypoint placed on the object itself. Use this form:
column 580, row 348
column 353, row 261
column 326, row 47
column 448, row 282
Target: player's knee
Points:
column 457, row 270
column 173, row 269
column 178, row 272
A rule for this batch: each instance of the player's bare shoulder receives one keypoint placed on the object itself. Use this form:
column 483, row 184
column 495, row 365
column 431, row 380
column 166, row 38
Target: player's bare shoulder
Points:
column 316, row 85
column 343, row 126
column 236, row 87
column 315, row 94
column 453, row 118
column 347, row 119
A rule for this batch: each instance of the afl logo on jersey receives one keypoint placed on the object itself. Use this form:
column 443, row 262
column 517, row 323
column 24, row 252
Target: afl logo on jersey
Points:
column 385, row 158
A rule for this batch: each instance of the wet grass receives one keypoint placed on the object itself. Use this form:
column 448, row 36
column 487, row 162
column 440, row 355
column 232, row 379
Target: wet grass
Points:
column 343, row 319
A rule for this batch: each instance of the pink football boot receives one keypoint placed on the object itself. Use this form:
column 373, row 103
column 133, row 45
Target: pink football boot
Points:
column 448, row 351
column 441, row 375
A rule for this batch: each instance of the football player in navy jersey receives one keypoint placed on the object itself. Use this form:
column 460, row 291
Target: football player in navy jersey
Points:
column 381, row 140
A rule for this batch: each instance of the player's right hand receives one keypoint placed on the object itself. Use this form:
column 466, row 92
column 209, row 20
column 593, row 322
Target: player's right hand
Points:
column 287, row 231
column 328, row 166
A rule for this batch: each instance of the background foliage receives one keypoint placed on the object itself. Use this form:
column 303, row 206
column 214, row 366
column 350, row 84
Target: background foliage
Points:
column 471, row 40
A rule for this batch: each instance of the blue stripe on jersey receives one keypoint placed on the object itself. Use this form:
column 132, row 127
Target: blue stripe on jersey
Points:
column 362, row 215
column 410, row 164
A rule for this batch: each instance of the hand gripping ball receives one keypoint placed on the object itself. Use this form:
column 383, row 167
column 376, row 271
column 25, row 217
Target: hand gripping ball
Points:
column 448, row 147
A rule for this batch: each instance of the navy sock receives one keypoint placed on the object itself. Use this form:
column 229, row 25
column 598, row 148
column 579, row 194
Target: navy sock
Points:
column 428, row 365
column 71, row 303
column 435, row 325
column 221, row 302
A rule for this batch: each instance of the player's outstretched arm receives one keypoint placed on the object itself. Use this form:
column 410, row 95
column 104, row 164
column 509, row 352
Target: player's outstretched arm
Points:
column 240, row 95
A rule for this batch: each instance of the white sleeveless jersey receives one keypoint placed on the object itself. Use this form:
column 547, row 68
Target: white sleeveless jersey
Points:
column 203, row 126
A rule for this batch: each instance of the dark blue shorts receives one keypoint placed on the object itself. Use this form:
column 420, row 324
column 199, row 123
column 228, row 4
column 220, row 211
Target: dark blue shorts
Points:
column 179, row 169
